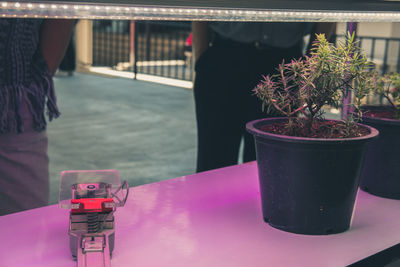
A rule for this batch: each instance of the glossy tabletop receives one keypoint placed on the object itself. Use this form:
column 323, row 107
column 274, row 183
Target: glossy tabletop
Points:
column 207, row 219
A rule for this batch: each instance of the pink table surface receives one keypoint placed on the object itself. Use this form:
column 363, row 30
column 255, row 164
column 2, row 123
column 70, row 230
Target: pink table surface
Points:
column 207, row 219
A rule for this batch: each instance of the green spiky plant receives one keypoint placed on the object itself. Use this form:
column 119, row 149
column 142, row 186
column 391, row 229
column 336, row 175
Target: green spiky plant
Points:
column 301, row 88
column 387, row 86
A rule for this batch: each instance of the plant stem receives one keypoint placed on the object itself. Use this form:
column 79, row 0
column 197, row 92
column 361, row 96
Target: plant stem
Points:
column 390, row 100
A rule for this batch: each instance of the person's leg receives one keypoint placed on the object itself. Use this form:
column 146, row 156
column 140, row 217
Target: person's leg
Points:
column 24, row 172
column 217, row 132
column 216, row 99
column 252, row 111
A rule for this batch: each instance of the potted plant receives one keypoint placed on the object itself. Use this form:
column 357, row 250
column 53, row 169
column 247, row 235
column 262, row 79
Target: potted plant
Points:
column 309, row 167
column 381, row 172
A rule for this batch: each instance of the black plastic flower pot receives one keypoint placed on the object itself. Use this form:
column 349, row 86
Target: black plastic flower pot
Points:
column 381, row 172
column 308, row 185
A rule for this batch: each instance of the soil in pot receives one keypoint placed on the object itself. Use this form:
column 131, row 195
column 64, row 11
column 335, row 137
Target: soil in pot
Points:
column 381, row 172
column 320, row 129
column 308, row 185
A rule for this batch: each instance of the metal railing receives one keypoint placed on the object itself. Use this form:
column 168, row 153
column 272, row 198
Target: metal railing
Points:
column 158, row 48
column 155, row 48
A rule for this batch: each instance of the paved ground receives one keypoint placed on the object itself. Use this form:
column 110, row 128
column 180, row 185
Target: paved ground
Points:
column 146, row 131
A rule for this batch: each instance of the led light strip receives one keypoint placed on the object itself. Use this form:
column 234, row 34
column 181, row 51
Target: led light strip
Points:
column 123, row 12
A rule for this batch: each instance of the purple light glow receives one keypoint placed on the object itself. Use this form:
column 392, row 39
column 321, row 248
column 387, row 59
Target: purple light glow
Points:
column 207, row 219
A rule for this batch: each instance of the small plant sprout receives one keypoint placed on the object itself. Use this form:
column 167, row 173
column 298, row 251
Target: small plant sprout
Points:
column 301, row 88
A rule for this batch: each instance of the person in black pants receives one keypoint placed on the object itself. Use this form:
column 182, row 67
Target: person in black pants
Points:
column 231, row 60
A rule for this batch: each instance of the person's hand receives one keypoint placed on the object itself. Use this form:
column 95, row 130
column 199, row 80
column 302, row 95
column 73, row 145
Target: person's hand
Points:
column 201, row 39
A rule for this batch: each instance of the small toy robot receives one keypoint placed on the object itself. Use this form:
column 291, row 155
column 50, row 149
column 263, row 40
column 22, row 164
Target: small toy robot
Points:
column 92, row 196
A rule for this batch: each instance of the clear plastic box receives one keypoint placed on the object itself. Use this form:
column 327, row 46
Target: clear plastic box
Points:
column 93, row 184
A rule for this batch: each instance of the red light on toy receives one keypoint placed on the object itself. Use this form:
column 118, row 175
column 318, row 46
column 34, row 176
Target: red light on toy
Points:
column 84, row 205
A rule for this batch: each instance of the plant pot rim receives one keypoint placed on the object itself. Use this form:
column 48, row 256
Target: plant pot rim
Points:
column 252, row 128
column 379, row 120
